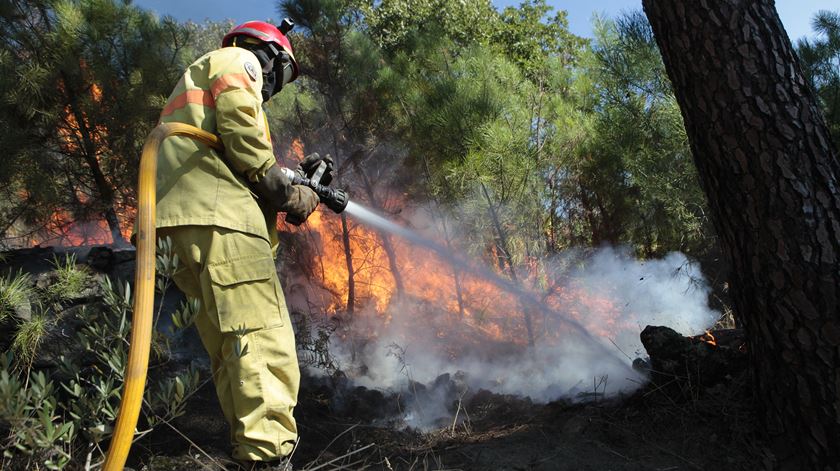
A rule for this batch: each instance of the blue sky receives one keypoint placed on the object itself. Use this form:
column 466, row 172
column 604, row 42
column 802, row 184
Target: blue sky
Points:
column 796, row 14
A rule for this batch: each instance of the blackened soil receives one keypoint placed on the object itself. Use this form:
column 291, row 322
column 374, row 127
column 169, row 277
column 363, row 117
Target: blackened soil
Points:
column 654, row 429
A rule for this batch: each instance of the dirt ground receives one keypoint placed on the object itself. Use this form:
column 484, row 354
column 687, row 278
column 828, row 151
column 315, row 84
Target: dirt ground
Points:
column 660, row 427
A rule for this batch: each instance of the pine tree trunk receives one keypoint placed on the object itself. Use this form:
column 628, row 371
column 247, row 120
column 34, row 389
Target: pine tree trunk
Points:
column 503, row 245
column 387, row 245
column 456, row 274
column 348, row 258
column 768, row 167
column 89, row 153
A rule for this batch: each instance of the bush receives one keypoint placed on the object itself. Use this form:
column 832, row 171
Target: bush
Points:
column 62, row 416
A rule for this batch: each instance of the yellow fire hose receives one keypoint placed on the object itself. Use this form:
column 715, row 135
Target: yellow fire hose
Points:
column 144, row 289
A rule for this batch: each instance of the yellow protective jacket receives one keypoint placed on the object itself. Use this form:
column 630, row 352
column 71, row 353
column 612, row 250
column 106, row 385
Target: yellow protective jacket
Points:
column 219, row 93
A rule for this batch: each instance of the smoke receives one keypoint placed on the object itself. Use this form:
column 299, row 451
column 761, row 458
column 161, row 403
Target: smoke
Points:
column 586, row 327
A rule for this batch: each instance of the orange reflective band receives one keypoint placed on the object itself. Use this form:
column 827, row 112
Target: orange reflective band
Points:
column 230, row 81
column 190, row 97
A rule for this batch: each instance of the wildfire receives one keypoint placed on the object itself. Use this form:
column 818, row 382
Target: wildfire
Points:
column 482, row 311
column 64, row 227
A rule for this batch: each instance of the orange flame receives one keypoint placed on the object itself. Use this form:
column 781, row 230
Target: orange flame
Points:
column 709, row 338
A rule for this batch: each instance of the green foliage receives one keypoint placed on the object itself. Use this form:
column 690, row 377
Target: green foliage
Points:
column 30, row 412
column 820, row 61
column 52, row 414
column 531, row 38
column 70, row 278
column 28, row 337
column 399, row 25
column 184, row 316
column 631, row 179
column 171, row 395
column 15, row 291
column 203, row 38
column 166, row 264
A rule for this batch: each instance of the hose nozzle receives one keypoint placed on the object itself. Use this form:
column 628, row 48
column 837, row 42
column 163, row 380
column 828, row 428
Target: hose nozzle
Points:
column 334, row 198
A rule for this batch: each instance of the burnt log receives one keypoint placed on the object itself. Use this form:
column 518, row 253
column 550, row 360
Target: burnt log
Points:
column 704, row 360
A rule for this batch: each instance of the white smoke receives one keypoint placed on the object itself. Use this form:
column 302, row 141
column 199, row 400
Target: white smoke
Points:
column 585, row 347
column 668, row 291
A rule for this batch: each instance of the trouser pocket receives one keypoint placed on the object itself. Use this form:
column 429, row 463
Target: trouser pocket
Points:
column 245, row 292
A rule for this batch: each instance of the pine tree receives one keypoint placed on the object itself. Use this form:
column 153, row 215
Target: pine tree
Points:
column 82, row 84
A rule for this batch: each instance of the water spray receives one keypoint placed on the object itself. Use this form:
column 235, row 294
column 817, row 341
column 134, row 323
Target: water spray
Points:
column 370, row 218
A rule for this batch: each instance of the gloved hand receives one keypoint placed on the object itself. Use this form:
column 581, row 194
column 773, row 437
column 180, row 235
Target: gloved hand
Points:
column 310, row 164
column 280, row 195
column 301, row 203
column 274, row 188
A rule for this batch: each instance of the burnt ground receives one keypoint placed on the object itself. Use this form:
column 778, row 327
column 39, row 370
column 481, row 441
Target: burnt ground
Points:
column 671, row 426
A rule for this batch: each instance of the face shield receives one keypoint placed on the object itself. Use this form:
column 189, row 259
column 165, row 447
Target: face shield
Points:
column 277, row 72
column 283, row 70
column 278, row 66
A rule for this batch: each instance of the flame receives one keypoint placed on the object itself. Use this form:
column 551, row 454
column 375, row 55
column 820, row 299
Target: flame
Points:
column 709, row 338
column 487, row 311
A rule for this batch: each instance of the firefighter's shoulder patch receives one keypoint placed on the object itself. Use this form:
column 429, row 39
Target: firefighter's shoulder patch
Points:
column 251, row 70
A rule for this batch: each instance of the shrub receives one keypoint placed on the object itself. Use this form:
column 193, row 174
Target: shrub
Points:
column 61, row 417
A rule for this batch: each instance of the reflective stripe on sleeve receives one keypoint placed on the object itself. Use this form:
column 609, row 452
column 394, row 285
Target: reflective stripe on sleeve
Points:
column 230, row 81
column 189, row 97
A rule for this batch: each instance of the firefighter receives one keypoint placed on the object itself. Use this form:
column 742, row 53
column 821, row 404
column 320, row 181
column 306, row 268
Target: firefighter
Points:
column 219, row 210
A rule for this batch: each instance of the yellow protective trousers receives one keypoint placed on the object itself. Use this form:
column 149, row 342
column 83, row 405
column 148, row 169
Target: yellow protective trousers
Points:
column 242, row 310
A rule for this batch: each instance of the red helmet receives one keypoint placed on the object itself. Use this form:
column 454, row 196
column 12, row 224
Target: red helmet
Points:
column 265, row 32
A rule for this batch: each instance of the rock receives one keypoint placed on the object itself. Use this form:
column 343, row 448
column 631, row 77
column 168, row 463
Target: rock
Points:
column 23, row 311
column 101, row 258
column 34, row 260
column 61, row 338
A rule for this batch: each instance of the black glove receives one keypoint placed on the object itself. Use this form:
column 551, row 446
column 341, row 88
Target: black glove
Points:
column 274, row 187
column 301, row 204
column 309, row 165
column 296, row 200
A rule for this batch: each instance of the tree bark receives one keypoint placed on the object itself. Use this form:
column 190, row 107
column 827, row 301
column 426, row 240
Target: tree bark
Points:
column 768, row 167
